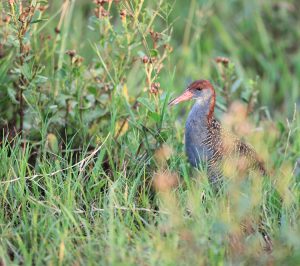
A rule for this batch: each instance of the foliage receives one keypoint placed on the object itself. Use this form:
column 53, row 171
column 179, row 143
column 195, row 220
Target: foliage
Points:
column 92, row 165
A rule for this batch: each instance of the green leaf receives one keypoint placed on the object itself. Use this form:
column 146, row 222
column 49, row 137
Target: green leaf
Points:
column 164, row 135
column 41, row 79
column 38, row 20
column 281, row 127
column 26, row 71
column 12, row 95
column 153, row 53
column 155, row 117
column 92, row 89
column 145, row 102
column 61, row 73
column 4, row 66
column 92, row 115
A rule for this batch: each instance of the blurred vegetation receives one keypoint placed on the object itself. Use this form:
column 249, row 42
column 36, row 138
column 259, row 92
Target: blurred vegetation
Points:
column 92, row 164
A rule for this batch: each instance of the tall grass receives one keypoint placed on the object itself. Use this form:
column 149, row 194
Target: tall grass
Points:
column 92, row 164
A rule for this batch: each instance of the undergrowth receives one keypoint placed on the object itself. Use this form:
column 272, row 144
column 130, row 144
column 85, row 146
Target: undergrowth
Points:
column 92, row 163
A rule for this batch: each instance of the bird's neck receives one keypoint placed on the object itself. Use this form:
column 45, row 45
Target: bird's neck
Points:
column 203, row 110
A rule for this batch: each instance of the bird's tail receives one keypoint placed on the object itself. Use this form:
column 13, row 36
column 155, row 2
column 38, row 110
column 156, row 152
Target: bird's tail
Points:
column 250, row 153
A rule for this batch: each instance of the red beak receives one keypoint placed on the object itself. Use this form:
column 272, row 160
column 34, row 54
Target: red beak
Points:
column 186, row 95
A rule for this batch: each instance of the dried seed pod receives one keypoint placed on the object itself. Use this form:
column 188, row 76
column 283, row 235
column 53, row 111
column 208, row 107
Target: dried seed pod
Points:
column 153, row 60
column 71, row 53
column 43, row 8
column 222, row 60
column 78, row 60
column 27, row 9
column 168, row 47
column 23, row 16
column 104, row 13
column 6, row 19
column 145, row 59
column 154, row 35
column 101, row 2
column 123, row 14
column 154, row 88
column 157, row 84
column 101, row 12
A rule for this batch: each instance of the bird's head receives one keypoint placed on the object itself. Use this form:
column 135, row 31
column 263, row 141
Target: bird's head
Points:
column 201, row 90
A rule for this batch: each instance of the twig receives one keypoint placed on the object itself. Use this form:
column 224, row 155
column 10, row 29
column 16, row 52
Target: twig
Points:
column 82, row 164
column 290, row 130
column 122, row 208
column 25, row 18
column 94, row 209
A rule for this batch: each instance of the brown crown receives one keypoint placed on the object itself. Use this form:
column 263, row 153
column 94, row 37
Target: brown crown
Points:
column 200, row 85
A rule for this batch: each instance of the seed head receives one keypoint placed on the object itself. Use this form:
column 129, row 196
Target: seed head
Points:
column 71, row 53
column 154, row 89
column 101, row 12
column 101, row 2
column 6, row 19
column 78, row 60
column 145, row 59
column 23, row 17
column 43, row 8
column 222, row 60
column 168, row 47
column 123, row 14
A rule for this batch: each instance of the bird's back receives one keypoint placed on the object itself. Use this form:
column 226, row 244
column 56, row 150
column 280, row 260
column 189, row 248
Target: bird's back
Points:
column 211, row 144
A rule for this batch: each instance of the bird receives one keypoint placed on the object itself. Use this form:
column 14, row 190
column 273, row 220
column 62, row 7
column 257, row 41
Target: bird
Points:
column 206, row 141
